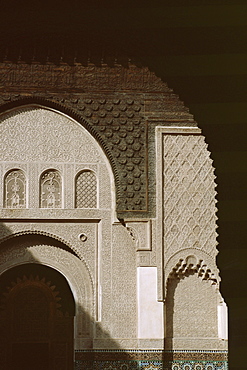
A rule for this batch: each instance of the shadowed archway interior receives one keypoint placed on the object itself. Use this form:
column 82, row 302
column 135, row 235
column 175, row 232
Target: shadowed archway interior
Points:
column 37, row 316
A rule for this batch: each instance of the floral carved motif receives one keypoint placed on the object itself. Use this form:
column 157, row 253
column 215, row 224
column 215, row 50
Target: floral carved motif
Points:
column 15, row 189
column 50, row 190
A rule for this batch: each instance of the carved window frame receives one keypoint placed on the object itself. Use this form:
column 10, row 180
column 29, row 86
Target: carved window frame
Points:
column 58, row 202
column 17, row 196
column 96, row 185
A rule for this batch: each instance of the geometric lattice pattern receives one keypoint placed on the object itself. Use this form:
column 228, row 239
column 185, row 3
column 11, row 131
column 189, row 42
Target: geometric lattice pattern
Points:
column 149, row 360
column 189, row 195
column 150, row 365
column 86, row 190
column 15, row 190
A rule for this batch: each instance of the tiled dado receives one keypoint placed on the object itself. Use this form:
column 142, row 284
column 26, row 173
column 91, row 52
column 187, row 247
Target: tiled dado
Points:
column 150, row 360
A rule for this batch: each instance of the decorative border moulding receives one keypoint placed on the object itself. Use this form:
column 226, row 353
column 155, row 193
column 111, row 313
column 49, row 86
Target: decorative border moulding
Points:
column 178, row 130
column 149, row 359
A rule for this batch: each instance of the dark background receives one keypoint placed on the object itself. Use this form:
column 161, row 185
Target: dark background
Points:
column 199, row 48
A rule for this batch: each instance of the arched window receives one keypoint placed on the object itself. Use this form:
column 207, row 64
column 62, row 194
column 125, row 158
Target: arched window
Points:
column 50, row 189
column 15, row 189
column 86, row 190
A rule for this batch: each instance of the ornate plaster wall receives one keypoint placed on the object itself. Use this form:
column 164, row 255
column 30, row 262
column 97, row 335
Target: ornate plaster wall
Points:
column 146, row 244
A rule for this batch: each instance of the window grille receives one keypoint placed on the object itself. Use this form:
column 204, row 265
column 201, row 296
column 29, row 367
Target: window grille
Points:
column 86, row 190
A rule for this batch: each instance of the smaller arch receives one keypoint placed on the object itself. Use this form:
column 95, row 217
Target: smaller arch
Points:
column 50, row 189
column 15, row 189
column 191, row 265
column 191, row 260
column 86, row 189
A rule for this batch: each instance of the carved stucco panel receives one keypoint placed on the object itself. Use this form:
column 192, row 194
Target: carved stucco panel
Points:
column 69, row 186
column 123, row 292
column 62, row 144
column 191, row 311
column 105, row 278
column 59, row 138
column 192, row 259
column 70, row 233
column 188, row 195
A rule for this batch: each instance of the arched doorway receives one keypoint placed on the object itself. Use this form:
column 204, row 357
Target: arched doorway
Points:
column 37, row 318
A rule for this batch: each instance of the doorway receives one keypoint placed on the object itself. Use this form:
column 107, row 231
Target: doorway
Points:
column 37, row 318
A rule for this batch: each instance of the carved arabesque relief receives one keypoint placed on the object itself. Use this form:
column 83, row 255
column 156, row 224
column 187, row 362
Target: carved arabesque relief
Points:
column 15, row 189
column 191, row 304
column 59, row 155
column 51, row 195
column 114, row 104
column 51, row 189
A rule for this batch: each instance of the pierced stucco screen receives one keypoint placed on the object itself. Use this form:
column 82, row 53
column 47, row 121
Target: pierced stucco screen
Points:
column 50, row 189
column 86, row 190
column 15, row 189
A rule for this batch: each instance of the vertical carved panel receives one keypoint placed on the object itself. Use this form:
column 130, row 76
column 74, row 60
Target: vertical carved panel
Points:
column 15, row 189
column 50, row 189
column 189, row 195
column 86, row 190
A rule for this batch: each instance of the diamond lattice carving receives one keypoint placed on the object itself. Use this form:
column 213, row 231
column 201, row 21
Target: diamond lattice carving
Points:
column 86, row 190
column 189, row 195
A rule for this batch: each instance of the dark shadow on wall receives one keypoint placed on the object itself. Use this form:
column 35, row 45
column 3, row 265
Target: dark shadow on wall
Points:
column 37, row 315
column 189, row 324
column 171, row 288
